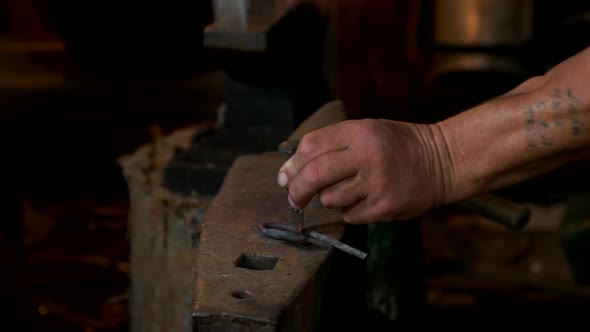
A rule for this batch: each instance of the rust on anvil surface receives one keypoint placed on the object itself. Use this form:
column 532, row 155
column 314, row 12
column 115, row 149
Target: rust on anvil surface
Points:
column 247, row 280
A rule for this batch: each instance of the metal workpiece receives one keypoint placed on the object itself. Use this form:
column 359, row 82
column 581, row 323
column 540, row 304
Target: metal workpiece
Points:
column 248, row 281
column 284, row 232
column 287, row 232
column 297, row 218
column 335, row 243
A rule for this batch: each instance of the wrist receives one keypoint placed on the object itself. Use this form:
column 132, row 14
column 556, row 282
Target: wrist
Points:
column 437, row 154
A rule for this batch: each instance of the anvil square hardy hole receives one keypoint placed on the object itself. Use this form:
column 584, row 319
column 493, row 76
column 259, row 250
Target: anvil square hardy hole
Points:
column 241, row 294
column 259, row 262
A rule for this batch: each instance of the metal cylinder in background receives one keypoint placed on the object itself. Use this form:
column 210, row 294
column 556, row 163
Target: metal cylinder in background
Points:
column 482, row 23
column 476, row 43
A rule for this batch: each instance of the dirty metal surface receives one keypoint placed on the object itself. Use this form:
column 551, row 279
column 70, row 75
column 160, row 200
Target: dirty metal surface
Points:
column 247, row 281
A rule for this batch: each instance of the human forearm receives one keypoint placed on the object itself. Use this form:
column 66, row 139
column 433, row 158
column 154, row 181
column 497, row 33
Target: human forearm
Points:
column 541, row 125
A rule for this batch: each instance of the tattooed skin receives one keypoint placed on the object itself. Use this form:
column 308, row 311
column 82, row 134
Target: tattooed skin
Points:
column 549, row 119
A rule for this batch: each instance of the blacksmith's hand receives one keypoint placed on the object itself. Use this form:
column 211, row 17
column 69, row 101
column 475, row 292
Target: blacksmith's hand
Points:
column 373, row 170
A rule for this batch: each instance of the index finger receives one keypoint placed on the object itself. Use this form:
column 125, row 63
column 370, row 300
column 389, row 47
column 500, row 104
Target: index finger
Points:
column 328, row 139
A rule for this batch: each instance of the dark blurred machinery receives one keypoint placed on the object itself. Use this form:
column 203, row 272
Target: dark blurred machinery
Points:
column 274, row 78
column 476, row 50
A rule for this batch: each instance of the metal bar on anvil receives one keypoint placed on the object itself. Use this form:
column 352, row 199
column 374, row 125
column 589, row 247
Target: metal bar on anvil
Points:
column 247, row 281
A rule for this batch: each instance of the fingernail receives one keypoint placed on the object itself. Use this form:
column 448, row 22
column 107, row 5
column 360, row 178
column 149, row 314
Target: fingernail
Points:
column 288, row 163
column 282, row 179
column 291, row 202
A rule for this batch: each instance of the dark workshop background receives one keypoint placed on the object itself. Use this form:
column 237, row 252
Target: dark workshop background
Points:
column 83, row 83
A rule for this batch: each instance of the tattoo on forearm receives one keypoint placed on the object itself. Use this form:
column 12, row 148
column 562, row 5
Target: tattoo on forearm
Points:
column 530, row 127
column 563, row 113
column 556, row 100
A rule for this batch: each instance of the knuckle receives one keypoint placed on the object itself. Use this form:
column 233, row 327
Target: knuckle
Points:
column 381, row 217
column 326, row 199
column 305, row 185
column 350, row 215
column 347, row 217
column 308, row 144
column 350, row 218
column 296, row 198
column 294, row 192
column 370, row 131
column 312, row 174
column 367, row 125
column 385, row 210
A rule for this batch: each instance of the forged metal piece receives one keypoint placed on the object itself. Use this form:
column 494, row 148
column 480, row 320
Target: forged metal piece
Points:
column 288, row 147
column 283, row 232
column 286, row 232
column 335, row 243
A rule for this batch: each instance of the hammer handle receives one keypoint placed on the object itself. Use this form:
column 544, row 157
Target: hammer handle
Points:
column 503, row 211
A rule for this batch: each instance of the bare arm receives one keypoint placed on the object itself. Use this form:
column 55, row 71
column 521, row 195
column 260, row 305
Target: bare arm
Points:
column 541, row 125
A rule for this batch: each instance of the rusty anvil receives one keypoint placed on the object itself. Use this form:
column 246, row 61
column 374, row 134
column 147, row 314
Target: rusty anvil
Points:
column 246, row 281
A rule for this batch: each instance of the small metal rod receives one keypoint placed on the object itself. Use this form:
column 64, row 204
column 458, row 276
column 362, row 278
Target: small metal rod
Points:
column 284, row 235
column 286, row 232
column 297, row 218
column 334, row 243
column 288, row 147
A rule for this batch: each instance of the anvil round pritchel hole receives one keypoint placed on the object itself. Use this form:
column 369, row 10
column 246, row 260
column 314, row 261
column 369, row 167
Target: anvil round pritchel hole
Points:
column 241, row 294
